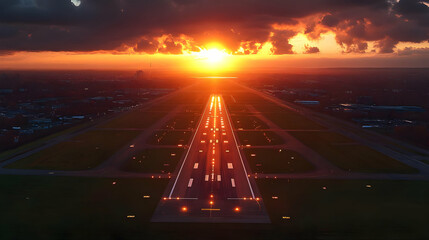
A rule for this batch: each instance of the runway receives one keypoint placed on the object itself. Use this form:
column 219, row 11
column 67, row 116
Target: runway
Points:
column 212, row 182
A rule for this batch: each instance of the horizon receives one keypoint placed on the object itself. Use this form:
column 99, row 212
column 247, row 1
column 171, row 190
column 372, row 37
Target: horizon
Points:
column 205, row 36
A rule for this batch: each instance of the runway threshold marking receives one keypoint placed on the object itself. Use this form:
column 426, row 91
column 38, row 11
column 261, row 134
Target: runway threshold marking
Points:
column 187, row 152
column 230, row 166
column 218, row 178
column 196, row 166
column 232, row 182
column 206, row 178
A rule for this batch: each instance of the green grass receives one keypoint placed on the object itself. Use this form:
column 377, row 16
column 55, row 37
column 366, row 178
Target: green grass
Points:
column 286, row 119
column 349, row 155
column 348, row 208
column 134, row 119
column 271, row 160
column 170, row 137
column 248, row 122
column 47, row 207
column 259, row 138
column 155, row 160
column 83, row 151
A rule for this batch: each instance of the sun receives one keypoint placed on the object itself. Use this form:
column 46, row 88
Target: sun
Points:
column 213, row 58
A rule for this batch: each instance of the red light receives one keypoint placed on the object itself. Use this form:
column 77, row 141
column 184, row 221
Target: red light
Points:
column 211, row 195
column 237, row 209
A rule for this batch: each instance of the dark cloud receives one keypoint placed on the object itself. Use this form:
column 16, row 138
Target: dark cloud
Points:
column 59, row 25
column 280, row 42
column 413, row 51
column 149, row 46
column 309, row 50
column 330, row 21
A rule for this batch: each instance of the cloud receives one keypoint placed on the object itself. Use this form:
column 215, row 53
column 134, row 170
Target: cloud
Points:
column 413, row 51
column 280, row 42
column 309, row 50
column 52, row 25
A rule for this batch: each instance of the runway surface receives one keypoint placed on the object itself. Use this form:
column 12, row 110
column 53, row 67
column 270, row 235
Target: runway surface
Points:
column 212, row 182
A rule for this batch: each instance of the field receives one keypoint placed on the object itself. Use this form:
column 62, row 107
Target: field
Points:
column 363, row 209
column 236, row 108
column 349, row 155
column 183, row 121
column 271, row 160
column 286, row 119
column 134, row 119
column 36, row 207
column 169, row 137
column 248, row 122
column 259, row 138
column 39, row 142
column 155, row 160
column 84, row 151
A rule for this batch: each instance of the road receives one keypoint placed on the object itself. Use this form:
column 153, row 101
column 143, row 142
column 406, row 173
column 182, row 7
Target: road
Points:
column 212, row 183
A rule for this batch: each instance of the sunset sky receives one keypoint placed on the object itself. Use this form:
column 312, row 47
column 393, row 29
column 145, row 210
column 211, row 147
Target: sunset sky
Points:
column 208, row 35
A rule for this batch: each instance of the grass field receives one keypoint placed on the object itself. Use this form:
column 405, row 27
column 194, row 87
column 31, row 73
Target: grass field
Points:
column 271, row 160
column 237, row 108
column 248, row 122
column 155, row 160
column 349, row 155
column 286, row 119
column 246, row 97
column 46, row 207
column 193, row 108
column 170, row 137
column 259, row 138
column 81, row 152
column 39, row 142
column 183, row 121
column 134, row 119
column 359, row 208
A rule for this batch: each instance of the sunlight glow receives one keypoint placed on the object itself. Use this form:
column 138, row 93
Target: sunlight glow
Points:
column 212, row 59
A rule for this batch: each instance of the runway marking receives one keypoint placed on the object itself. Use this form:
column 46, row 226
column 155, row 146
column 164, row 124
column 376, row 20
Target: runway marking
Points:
column 187, row 152
column 210, row 209
column 196, row 166
column 218, row 178
column 191, row 180
column 206, row 178
column 232, row 182
column 239, row 154
column 230, row 166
